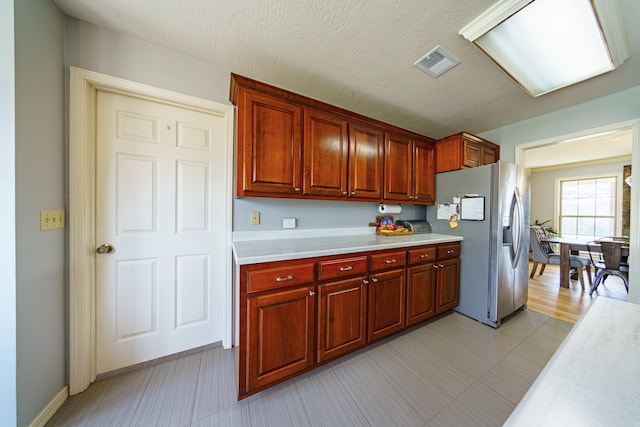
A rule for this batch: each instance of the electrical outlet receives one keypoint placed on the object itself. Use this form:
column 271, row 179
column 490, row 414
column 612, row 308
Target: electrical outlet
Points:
column 51, row 220
column 289, row 222
column 255, row 218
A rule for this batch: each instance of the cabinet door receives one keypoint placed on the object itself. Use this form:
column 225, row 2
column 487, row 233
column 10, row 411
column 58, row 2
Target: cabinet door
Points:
column 386, row 304
column 398, row 160
column 366, row 148
column 488, row 156
column 424, row 183
column 326, row 150
column 280, row 335
column 447, row 285
column 342, row 308
column 472, row 153
column 421, row 287
column 269, row 141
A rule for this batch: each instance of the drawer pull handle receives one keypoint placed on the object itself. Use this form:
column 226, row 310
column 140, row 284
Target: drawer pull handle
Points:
column 391, row 261
column 435, row 265
column 450, row 251
column 423, row 256
column 312, row 293
column 441, row 265
column 374, row 280
column 365, row 281
column 349, row 268
column 284, row 279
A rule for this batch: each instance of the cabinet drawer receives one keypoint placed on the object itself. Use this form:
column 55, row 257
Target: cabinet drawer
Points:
column 449, row 251
column 342, row 267
column 387, row 260
column 420, row 255
column 277, row 277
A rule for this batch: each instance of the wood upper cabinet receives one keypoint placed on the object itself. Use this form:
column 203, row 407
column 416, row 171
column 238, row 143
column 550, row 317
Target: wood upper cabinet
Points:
column 464, row 150
column 409, row 170
column 292, row 146
column 269, row 145
column 366, row 151
column 342, row 158
column 326, row 151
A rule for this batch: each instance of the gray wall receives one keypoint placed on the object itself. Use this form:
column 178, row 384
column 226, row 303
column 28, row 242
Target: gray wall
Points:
column 7, row 217
column 607, row 110
column 40, row 184
column 311, row 213
column 543, row 185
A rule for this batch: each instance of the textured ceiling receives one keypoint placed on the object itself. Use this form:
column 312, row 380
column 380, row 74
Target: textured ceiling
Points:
column 357, row 54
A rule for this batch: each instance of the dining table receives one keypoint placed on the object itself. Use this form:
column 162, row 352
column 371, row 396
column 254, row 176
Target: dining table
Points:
column 570, row 245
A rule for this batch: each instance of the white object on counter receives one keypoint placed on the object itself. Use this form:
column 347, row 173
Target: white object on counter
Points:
column 593, row 379
column 386, row 209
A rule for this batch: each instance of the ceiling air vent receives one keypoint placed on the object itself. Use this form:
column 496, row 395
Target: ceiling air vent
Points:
column 436, row 62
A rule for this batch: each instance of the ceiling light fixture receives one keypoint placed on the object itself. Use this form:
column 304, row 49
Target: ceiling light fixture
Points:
column 545, row 45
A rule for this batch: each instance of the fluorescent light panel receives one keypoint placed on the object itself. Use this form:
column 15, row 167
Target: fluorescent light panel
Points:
column 546, row 44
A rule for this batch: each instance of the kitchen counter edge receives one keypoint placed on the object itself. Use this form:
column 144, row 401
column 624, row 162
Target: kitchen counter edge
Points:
column 259, row 251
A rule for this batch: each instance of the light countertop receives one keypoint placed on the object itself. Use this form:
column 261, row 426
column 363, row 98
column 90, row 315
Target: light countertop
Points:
column 279, row 249
column 593, row 379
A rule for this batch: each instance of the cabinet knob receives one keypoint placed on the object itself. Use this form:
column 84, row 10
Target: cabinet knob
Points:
column 374, row 280
column 284, row 279
column 353, row 193
column 297, row 189
column 311, row 293
column 365, row 281
column 345, row 193
column 435, row 265
column 441, row 266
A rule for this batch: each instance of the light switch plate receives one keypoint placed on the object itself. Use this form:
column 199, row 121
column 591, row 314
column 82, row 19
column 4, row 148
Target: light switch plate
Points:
column 289, row 222
column 51, row 220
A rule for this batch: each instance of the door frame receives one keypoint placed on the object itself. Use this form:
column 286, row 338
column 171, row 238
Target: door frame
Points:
column 634, row 237
column 83, row 88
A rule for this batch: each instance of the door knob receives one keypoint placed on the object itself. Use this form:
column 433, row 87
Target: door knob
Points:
column 105, row 248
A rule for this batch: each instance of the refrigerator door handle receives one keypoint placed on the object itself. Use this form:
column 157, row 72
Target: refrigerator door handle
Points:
column 518, row 231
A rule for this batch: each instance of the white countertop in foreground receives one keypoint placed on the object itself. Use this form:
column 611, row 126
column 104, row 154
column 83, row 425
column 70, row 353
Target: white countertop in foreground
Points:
column 267, row 250
column 593, row 379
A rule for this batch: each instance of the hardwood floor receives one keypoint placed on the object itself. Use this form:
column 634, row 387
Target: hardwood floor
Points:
column 547, row 297
column 453, row 371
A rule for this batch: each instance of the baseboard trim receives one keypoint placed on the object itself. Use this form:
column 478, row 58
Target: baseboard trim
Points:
column 52, row 407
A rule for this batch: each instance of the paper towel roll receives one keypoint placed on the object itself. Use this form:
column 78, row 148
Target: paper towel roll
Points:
column 389, row 209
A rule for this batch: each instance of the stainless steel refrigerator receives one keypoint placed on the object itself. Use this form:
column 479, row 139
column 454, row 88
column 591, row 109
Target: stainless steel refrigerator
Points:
column 495, row 249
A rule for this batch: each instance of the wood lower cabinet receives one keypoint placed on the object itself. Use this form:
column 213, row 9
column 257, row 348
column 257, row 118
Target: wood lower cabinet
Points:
column 295, row 315
column 421, row 292
column 447, row 277
column 464, row 150
column 386, row 304
column 342, row 313
column 280, row 335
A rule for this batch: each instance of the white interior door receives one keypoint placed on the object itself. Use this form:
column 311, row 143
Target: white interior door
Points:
column 159, row 203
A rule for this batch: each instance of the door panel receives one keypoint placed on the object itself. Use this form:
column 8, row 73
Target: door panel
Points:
column 158, row 173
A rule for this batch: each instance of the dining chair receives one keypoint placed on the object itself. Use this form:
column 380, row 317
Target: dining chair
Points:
column 543, row 254
column 606, row 256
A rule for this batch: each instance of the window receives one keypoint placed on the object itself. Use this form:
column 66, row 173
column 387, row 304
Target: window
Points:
column 588, row 207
